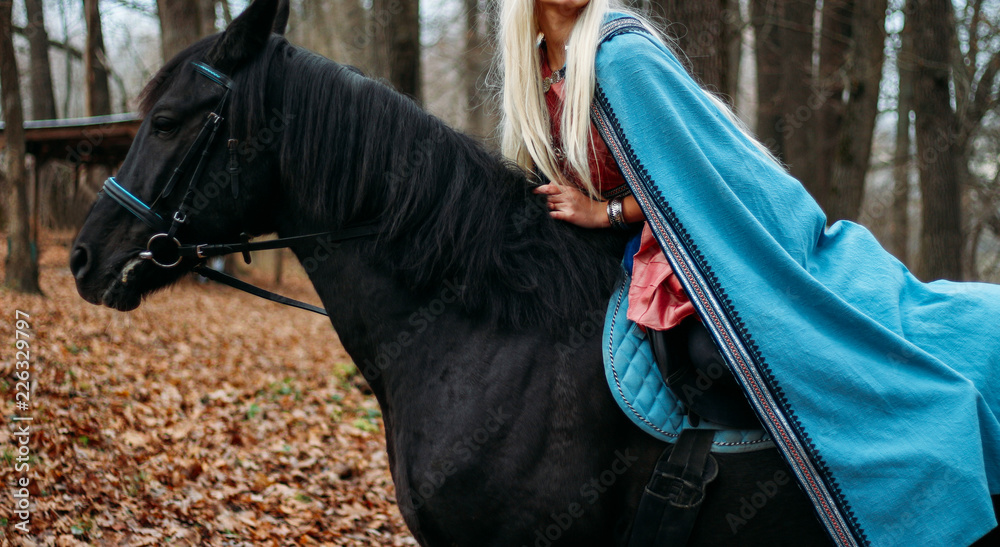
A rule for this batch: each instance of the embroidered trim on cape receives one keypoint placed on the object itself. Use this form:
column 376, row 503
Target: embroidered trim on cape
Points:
column 729, row 332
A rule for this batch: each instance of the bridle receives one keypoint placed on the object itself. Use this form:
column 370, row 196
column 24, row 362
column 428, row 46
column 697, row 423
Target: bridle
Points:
column 165, row 249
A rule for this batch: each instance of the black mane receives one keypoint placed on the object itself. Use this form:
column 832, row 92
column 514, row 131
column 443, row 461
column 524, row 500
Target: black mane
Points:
column 356, row 150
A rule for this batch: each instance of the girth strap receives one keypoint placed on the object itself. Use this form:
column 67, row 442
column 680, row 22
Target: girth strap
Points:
column 670, row 502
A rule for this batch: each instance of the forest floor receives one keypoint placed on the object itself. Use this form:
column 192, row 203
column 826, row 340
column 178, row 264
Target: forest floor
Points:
column 205, row 417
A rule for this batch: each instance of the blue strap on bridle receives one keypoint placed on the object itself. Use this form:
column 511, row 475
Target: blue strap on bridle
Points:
column 213, row 75
column 134, row 205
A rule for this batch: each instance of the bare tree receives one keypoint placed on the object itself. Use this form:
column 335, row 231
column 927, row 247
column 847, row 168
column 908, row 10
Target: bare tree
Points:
column 862, row 72
column 937, row 126
column 702, row 33
column 784, row 56
column 206, row 17
column 95, row 70
column 818, row 106
column 68, row 60
column 797, row 123
column 397, row 28
column 765, row 19
column 834, row 47
column 182, row 22
column 21, row 265
column 975, row 80
column 480, row 120
column 43, row 102
column 734, row 22
column 900, row 226
column 338, row 29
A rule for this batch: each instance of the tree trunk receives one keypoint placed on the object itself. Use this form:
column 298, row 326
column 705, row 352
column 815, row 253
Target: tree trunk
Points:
column 852, row 155
column 702, row 35
column 358, row 34
column 43, row 102
column 941, row 211
column 764, row 17
column 733, row 39
column 68, row 60
column 478, row 100
column 975, row 75
column 96, row 91
column 206, row 17
column 798, row 119
column 98, row 96
column 180, row 24
column 4, row 191
column 338, row 30
column 397, row 28
column 21, row 267
column 900, row 225
column 835, row 39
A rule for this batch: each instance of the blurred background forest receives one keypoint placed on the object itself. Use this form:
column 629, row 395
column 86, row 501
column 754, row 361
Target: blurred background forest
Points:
column 179, row 423
column 887, row 110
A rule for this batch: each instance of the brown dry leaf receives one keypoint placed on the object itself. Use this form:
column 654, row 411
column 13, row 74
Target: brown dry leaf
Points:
column 206, row 416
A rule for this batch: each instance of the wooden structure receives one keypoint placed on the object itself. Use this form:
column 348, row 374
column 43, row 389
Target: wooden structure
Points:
column 98, row 140
column 102, row 140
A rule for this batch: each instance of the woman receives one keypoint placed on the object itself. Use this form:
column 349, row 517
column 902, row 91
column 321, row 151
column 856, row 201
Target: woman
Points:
column 881, row 392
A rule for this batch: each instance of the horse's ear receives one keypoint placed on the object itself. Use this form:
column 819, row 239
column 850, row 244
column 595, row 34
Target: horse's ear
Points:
column 245, row 37
column 281, row 20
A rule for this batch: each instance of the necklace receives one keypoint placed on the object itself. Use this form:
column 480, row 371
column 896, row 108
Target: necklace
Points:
column 553, row 78
column 556, row 76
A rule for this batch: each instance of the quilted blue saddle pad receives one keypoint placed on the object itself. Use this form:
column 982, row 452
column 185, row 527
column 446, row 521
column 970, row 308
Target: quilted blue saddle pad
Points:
column 638, row 388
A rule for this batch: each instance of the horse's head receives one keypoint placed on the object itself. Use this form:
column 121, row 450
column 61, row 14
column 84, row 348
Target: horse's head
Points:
column 185, row 180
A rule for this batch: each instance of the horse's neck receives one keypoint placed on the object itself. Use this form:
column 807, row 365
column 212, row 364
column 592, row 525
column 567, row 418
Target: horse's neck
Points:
column 391, row 332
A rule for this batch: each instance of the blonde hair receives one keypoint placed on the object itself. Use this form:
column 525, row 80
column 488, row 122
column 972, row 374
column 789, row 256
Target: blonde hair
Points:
column 525, row 123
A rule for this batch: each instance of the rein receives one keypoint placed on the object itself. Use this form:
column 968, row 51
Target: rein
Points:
column 164, row 248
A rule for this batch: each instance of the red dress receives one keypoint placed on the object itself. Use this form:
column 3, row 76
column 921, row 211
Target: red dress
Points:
column 656, row 298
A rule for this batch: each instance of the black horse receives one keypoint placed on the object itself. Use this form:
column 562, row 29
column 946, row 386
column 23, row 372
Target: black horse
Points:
column 475, row 318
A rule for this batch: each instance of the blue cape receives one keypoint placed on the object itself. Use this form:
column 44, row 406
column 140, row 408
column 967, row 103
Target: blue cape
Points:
column 881, row 392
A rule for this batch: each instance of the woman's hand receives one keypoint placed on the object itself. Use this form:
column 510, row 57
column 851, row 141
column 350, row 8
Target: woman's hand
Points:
column 573, row 206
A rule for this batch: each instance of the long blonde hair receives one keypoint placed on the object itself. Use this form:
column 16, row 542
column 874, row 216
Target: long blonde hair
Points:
column 525, row 123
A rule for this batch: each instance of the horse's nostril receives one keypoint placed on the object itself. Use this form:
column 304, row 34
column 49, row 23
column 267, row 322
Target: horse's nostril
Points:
column 79, row 261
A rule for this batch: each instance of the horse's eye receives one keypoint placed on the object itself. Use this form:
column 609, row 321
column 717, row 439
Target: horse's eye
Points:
column 164, row 124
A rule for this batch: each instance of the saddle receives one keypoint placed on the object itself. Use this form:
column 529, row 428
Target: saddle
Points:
column 696, row 372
